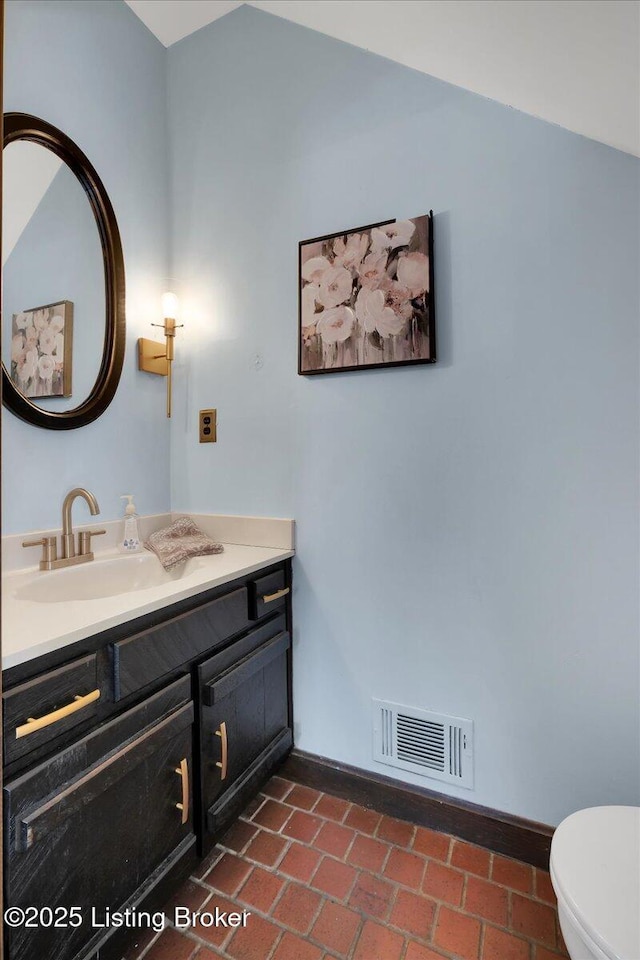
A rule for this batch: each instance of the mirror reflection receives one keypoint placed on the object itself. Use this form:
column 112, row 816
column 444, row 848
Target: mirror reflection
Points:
column 53, row 287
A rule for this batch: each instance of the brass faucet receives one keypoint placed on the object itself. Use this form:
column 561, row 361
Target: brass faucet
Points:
column 69, row 556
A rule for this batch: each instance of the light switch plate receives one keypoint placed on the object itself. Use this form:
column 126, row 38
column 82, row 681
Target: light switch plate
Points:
column 207, row 420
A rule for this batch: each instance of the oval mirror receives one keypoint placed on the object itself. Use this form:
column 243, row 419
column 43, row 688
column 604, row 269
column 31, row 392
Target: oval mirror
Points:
column 63, row 320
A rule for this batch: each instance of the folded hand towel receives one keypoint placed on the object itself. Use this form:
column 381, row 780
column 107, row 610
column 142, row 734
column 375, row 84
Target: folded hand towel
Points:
column 179, row 541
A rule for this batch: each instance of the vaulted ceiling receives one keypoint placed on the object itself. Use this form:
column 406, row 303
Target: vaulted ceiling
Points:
column 572, row 62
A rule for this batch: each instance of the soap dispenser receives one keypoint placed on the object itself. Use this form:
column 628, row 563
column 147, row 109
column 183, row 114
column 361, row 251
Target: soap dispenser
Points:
column 130, row 538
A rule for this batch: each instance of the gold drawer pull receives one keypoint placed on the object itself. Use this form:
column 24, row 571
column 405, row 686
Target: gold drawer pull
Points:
column 222, row 763
column 78, row 703
column 270, row 597
column 183, row 772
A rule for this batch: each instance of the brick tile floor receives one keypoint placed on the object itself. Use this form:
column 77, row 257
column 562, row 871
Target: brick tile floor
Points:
column 324, row 879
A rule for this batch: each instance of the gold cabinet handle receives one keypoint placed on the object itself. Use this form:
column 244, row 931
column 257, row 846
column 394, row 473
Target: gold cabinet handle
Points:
column 270, row 597
column 78, row 703
column 183, row 773
column 222, row 762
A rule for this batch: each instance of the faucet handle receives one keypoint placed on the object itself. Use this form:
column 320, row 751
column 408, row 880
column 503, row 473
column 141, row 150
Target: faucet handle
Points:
column 49, row 548
column 84, row 540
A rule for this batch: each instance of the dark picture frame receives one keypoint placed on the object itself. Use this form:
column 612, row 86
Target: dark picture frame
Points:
column 366, row 298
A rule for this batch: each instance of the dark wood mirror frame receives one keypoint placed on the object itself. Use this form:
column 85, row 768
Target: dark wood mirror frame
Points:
column 22, row 126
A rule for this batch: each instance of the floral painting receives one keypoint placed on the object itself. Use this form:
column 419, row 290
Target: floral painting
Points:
column 41, row 350
column 366, row 297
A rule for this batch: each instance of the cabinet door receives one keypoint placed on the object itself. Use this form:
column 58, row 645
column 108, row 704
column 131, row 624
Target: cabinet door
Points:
column 92, row 842
column 245, row 729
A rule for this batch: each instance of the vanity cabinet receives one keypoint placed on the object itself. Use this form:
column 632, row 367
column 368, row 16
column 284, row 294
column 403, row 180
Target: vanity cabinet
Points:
column 107, row 805
column 244, row 724
column 88, row 828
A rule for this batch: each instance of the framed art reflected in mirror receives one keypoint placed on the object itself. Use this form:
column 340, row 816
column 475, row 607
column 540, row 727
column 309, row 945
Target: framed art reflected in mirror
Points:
column 41, row 350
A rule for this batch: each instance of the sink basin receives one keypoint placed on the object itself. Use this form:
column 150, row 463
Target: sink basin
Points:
column 103, row 578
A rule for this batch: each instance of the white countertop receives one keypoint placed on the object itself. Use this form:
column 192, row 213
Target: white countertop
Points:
column 31, row 628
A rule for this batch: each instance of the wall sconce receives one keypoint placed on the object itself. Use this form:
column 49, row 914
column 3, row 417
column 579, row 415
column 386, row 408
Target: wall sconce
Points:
column 149, row 359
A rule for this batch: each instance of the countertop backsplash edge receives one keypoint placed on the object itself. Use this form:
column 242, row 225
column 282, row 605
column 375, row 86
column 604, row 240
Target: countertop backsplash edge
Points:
column 271, row 532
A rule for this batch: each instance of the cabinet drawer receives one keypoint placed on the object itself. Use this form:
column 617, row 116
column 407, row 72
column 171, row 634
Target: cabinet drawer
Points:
column 42, row 709
column 150, row 655
column 267, row 594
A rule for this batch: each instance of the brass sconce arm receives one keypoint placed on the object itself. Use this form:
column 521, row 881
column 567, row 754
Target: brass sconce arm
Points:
column 159, row 363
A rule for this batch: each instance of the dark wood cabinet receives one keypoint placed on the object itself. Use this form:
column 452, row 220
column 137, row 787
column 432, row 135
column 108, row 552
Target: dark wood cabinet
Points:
column 153, row 653
column 90, row 834
column 268, row 594
column 37, row 712
column 104, row 805
column 244, row 728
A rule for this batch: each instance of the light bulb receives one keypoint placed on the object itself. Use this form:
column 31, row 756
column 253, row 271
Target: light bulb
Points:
column 170, row 306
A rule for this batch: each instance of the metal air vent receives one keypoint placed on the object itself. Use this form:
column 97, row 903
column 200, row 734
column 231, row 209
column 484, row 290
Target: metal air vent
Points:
column 431, row 744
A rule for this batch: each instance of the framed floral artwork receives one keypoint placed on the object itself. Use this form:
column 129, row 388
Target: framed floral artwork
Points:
column 366, row 298
column 41, row 340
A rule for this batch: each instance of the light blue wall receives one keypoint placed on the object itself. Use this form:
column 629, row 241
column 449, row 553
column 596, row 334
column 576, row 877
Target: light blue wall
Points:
column 467, row 532
column 91, row 68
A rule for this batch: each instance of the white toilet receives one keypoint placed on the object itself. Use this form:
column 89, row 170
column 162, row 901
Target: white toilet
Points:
column 595, row 871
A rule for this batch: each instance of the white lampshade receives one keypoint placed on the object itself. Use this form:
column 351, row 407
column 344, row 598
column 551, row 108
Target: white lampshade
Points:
column 170, row 306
